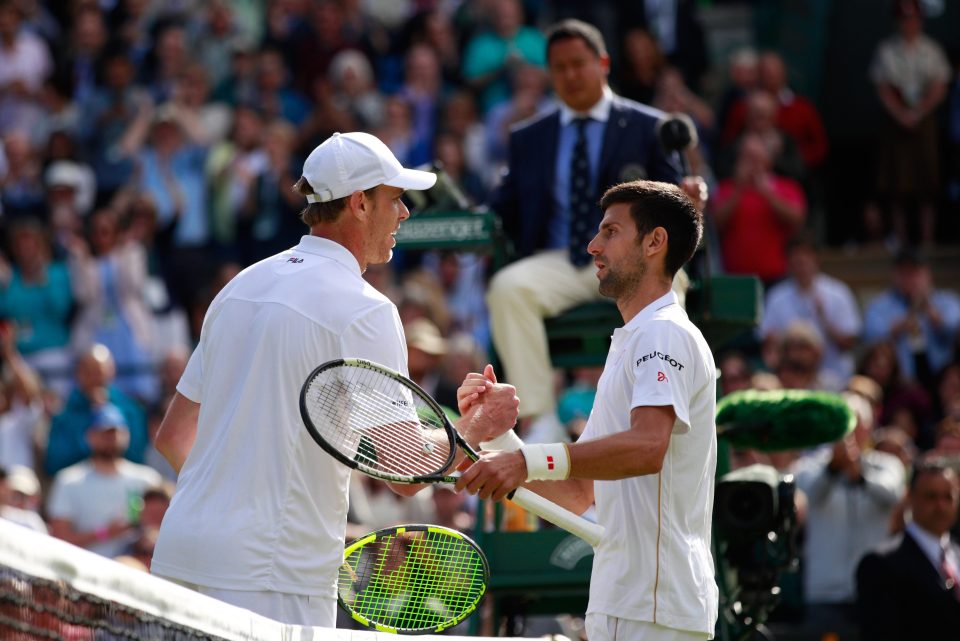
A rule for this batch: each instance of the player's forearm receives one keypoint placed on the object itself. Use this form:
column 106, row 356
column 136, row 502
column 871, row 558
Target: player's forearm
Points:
column 623, row 455
column 574, row 494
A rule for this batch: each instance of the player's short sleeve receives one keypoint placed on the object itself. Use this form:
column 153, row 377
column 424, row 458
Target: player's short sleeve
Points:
column 664, row 364
column 377, row 335
column 192, row 378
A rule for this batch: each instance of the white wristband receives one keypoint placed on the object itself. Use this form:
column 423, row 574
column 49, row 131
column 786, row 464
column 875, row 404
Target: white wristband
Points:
column 507, row 442
column 547, row 462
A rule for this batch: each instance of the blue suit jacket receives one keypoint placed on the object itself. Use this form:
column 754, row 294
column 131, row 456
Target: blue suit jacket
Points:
column 630, row 151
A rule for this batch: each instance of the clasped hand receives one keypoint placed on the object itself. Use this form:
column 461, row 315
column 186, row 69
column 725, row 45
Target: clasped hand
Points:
column 488, row 409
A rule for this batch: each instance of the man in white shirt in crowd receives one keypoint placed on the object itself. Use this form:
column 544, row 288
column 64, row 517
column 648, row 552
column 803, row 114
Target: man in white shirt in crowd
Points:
column 824, row 302
column 259, row 515
column 648, row 452
column 94, row 503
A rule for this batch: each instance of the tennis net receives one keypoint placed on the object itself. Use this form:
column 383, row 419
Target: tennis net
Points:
column 51, row 590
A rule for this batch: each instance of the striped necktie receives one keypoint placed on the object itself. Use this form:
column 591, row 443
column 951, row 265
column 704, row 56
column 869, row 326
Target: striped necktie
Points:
column 581, row 207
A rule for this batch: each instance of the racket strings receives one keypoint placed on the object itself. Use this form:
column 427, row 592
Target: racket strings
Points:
column 378, row 422
column 414, row 581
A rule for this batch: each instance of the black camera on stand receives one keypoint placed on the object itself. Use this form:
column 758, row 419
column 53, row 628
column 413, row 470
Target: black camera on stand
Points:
column 755, row 532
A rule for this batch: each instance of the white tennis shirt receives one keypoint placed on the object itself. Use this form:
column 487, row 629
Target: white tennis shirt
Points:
column 655, row 562
column 259, row 506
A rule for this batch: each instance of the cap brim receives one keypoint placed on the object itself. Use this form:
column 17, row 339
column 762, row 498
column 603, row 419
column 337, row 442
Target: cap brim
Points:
column 412, row 179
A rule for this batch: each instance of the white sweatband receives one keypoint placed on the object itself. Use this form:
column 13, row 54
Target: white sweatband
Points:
column 506, row 442
column 547, row 461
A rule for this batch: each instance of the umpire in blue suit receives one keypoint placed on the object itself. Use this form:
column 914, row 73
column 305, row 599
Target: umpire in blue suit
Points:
column 559, row 166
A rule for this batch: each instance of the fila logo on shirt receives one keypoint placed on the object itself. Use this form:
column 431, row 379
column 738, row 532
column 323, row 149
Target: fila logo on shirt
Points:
column 664, row 357
column 294, row 259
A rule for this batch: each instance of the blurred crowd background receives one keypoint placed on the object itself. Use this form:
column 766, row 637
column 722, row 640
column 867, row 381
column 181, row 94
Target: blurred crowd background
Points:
column 147, row 154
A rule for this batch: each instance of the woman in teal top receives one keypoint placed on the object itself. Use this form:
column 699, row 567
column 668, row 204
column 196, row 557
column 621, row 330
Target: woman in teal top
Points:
column 35, row 295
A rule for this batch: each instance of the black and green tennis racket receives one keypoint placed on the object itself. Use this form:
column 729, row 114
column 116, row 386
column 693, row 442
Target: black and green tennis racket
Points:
column 412, row 579
column 379, row 422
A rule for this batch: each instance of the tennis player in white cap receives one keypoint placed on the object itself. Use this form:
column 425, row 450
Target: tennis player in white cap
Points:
column 259, row 515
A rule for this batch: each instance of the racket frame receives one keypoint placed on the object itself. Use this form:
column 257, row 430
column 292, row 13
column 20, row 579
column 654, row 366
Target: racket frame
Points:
column 402, row 529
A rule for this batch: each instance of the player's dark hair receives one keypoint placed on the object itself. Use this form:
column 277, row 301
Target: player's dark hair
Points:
column 658, row 204
column 328, row 212
column 569, row 29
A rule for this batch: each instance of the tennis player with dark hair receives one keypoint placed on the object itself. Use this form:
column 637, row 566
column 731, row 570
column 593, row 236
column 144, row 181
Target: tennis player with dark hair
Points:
column 647, row 456
column 259, row 515
column 559, row 165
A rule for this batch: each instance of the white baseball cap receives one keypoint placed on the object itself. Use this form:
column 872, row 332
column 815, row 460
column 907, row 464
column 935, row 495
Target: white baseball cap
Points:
column 357, row 161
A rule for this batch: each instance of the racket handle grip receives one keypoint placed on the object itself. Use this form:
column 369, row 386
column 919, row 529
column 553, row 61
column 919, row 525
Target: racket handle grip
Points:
column 559, row 516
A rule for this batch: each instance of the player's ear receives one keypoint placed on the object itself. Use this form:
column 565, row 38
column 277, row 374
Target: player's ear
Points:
column 359, row 205
column 656, row 241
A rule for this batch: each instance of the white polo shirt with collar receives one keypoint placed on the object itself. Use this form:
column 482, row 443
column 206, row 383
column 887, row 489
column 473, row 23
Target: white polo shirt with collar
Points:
column 655, row 563
column 259, row 506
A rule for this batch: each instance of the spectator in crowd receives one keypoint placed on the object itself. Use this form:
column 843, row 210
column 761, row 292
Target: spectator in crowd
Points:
column 108, row 273
column 207, row 121
column 267, row 220
column 436, row 30
column 911, row 73
column 795, row 114
column 231, row 167
column 426, row 348
column 643, row 62
column 274, row 97
column 761, row 121
column 58, row 112
column 678, row 32
column 529, row 99
column 799, row 359
column 491, row 57
column 824, row 302
column 21, row 404
column 756, row 212
column 905, row 404
column 87, row 40
column 894, row 440
column 398, row 134
column 452, row 509
column 549, row 209
column 95, row 503
column 423, row 90
column 170, row 170
column 947, row 398
column 460, row 119
column 922, row 321
column 850, row 492
column 166, row 59
column 71, row 186
column 25, row 62
column 95, row 372
column 743, row 77
column 735, row 372
column 910, row 587
column 215, row 36
column 354, row 89
column 35, row 295
column 673, row 96
column 21, row 176
column 26, row 518
column 106, row 114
